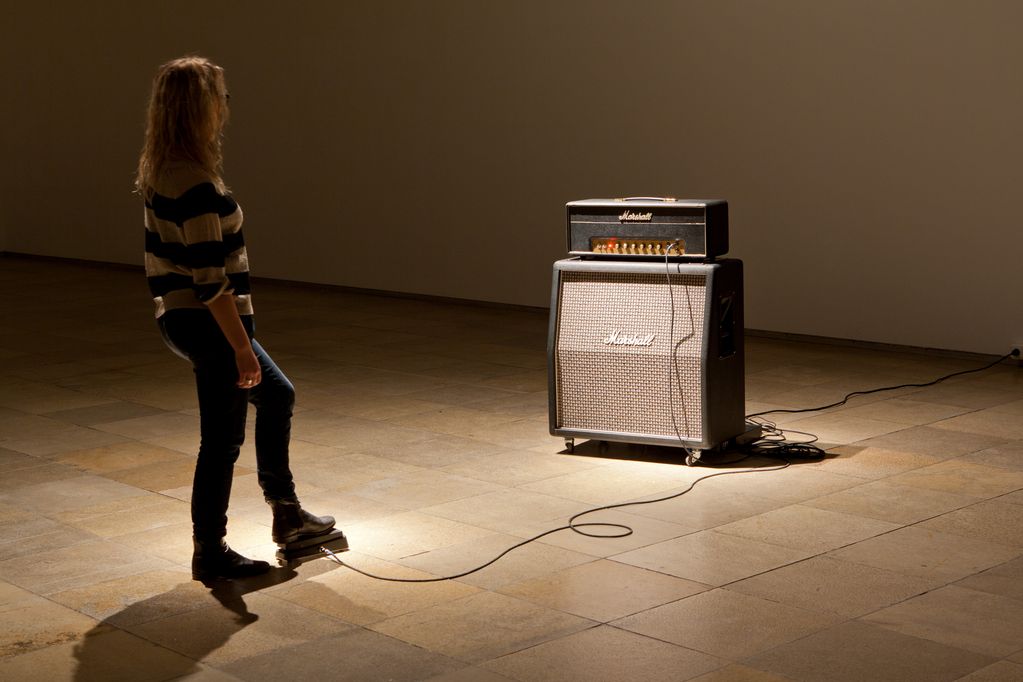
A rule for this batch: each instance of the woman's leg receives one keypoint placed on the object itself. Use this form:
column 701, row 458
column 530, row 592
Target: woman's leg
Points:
column 273, row 398
column 195, row 336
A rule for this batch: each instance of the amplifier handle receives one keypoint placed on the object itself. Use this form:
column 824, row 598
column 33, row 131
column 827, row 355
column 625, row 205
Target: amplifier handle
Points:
column 646, row 199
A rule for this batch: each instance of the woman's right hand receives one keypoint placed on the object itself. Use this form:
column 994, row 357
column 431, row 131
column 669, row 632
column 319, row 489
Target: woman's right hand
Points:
column 249, row 374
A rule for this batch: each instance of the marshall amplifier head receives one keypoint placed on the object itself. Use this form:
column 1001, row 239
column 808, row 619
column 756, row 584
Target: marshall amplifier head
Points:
column 641, row 228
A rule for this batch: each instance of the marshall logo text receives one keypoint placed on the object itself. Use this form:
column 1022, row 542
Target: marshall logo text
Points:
column 633, row 217
column 616, row 338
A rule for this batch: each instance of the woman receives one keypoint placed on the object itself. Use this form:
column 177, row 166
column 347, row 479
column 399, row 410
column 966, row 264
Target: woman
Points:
column 197, row 269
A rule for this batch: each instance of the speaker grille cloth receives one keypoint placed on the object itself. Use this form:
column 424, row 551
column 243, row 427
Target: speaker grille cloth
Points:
column 624, row 388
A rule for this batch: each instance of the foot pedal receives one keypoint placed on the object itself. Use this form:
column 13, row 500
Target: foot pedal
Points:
column 308, row 548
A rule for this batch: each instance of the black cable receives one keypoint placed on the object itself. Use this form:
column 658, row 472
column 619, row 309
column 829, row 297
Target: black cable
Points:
column 571, row 525
column 1013, row 353
column 774, row 442
column 673, row 370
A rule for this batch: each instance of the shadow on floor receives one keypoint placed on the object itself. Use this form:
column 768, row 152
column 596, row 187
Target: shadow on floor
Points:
column 109, row 652
column 659, row 454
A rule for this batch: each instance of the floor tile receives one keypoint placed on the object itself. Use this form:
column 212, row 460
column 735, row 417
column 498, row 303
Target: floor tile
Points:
column 352, row 597
column 739, row 673
column 121, row 456
column 959, row 617
column 906, row 411
column 12, row 461
column 711, row 558
column 514, row 467
column 927, row 554
column 991, row 520
column 31, row 623
column 806, row 528
column 137, row 598
column 989, row 422
column 53, row 570
column 603, row 653
column 927, row 440
column 350, row 471
column 42, row 471
column 602, row 590
column 331, row 658
column 424, row 488
column 163, row 475
column 481, row 627
column 705, row 507
column 872, row 463
column 727, row 624
column 1002, row 671
column 609, row 485
column 797, row 483
column 127, row 515
column 966, row 395
column 1008, row 456
column 855, row 651
column 60, row 441
column 449, row 453
column 401, row 535
column 825, row 584
column 1005, row 580
column 527, row 561
column 151, row 426
column 839, row 428
column 107, row 412
column 963, row 478
column 103, row 653
column 469, row 673
column 241, row 628
column 68, row 494
column 887, row 501
column 609, row 533
column 507, row 511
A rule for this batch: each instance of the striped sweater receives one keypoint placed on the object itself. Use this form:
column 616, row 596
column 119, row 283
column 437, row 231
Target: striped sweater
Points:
column 195, row 250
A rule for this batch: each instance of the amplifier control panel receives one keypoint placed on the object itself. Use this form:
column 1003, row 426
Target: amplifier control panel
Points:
column 637, row 247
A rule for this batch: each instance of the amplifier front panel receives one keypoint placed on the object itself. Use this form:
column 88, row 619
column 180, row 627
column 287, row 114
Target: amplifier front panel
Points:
column 613, row 353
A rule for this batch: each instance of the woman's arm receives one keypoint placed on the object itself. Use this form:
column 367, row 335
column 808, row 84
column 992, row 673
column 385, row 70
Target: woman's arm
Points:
column 226, row 314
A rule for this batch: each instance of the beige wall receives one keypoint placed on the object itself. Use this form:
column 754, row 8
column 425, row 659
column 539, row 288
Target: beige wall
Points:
column 869, row 149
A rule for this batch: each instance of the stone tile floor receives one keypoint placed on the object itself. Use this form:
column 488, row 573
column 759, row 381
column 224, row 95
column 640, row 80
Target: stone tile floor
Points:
column 423, row 427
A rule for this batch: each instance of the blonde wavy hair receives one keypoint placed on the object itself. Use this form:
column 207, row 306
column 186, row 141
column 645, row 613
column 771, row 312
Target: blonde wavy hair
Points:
column 185, row 120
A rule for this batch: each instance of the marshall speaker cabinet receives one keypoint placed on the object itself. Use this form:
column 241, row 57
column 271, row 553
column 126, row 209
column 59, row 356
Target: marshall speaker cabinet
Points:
column 647, row 352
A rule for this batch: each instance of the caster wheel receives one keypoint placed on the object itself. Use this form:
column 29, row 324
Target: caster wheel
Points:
column 570, row 445
column 692, row 460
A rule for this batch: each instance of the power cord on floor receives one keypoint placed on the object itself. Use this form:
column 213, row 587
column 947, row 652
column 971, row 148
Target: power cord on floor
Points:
column 774, row 443
column 1014, row 353
column 623, row 530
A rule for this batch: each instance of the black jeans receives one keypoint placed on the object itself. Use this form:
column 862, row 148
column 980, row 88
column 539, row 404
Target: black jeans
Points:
column 195, row 336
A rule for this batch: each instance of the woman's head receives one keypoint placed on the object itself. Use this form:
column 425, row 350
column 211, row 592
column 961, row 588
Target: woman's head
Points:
column 185, row 120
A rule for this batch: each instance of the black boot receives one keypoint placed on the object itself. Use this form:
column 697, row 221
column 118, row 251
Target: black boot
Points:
column 214, row 559
column 291, row 522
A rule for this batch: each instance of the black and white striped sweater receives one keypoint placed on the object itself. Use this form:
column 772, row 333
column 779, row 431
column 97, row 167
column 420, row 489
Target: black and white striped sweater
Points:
column 195, row 250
